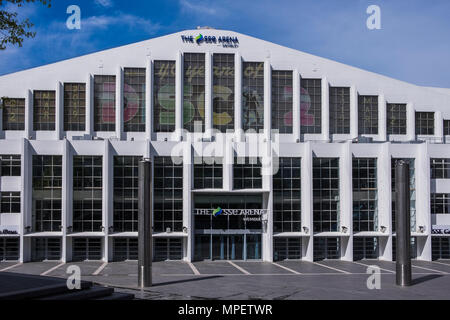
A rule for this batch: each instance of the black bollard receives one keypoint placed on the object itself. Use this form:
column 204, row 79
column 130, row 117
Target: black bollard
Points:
column 145, row 240
column 403, row 223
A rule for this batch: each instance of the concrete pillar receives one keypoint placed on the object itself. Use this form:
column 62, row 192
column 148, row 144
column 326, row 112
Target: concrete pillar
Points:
column 238, row 97
column 179, row 97
column 90, row 105
column 26, row 198
column 296, row 105
column 187, row 199
column 267, row 99
column 382, row 118
column 108, row 193
column 353, row 112
column 208, row 95
column 228, row 166
column 59, row 110
column 384, row 183
column 410, row 122
column 119, row 103
column 145, row 224
column 67, row 213
column 325, row 110
column 346, row 201
column 29, row 132
column 439, row 126
column 307, row 201
column 149, row 99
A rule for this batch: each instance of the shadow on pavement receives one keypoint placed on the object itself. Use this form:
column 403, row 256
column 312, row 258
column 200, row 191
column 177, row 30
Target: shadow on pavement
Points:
column 425, row 279
column 185, row 280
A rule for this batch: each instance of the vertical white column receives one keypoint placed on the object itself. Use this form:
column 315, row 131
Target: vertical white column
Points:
column 59, row 111
column 346, row 200
column 307, row 201
column 353, row 112
column 149, row 99
column 89, row 105
column 108, row 191
column 29, row 133
column 382, row 118
column 267, row 99
column 26, row 199
column 66, row 196
column 296, row 105
column 411, row 122
column 238, row 97
column 325, row 110
column 208, row 95
column 228, row 165
column 439, row 126
column 179, row 96
column 119, row 103
column 268, row 157
column 385, row 199
column 187, row 199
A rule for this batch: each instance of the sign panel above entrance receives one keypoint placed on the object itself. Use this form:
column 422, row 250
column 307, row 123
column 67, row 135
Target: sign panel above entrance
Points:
column 220, row 40
column 232, row 212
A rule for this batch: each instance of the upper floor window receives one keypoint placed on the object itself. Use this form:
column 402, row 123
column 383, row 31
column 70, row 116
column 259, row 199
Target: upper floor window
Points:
column 164, row 96
column 339, row 110
column 368, row 114
column 10, row 202
column 13, row 114
column 446, row 127
column 282, row 101
column 223, row 91
column 44, row 110
column 396, row 118
column 425, row 123
column 440, row 203
column 134, row 100
column 440, row 168
column 311, row 106
column 104, row 103
column 10, row 165
column 208, row 173
column 253, row 96
column 194, row 92
column 74, row 106
column 247, row 173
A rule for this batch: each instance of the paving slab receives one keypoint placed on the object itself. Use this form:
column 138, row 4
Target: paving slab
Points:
column 306, row 267
column 7, row 264
column 216, row 267
column 86, row 267
column 172, row 267
column 431, row 265
column 444, row 261
column 35, row 268
column 261, row 268
column 346, row 266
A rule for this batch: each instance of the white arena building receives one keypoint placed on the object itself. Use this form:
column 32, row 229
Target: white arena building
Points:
column 228, row 105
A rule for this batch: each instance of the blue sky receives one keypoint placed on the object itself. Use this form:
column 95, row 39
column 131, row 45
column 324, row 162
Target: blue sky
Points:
column 413, row 44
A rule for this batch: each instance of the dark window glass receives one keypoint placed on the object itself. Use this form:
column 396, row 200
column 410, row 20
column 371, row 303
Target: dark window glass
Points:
column 396, row 118
column 194, row 92
column 440, row 203
column 425, row 123
column 287, row 249
column 104, row 103
column 167, row 249
column 311, row 106
column 208, row 173
column 440, row 248
column 446, row 127
column 10, row 165
column 74, row 106
column 253, row 96
column 125, row 249
column 368, row 114
column 44, row 110
column 247, row 173
column 9, row 202
column 223, row 91
column 339, row 110
column 365, row 248
column 134, row 100
column 87, row 249
column 282, row 101
column 326, row 248
column 440, row 168
column 164, row 96
column 9, row 249
column 13, row 114
column 412, row 192
column 43, row 249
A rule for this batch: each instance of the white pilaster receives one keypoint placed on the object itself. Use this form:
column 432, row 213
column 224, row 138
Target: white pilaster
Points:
column 29, row 133
column 179, row 96
column 26, row 204
column 238, row 97
column 66, row 200
column 384, row 182
column 208, row 94
column 346, row 201
column 89, row 105
column 267, row 99
column 228, row 166
column 353, row 112
column 325, row 110
column 108, row 192
column 296, row 105
column 410, row 122
column 149, row 99
column 187, row 199
column 382, row 118
column 307, row 201
column 439, row 126
column 119, row 103
column 59, row 110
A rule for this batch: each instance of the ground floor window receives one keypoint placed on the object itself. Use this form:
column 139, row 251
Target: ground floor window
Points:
column 167, row 249
column 45, row 249
column 227, row 247
column 413, row 248
column 9, row 249
column 87, row 249
column 327, row 248
column 125, row 249
column 440, row 248
column 365, row 248
column 287, row 248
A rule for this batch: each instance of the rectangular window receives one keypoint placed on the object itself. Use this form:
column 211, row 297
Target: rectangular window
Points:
column 125, row 249
column 440, row 168
column 282, row 101
column 368, row 114
column 134, row 99
column 87, row 193
column 167, row 249
column 74, row 106
column 365, row 248
column 365, row 195
column 287, row 196
column 194, row 92
column 440, row 248
column 223, row 92
column 326, row 248
column 9, row 249
column 396, row 118
column 87, row 249
column 253, row 96
column 9, row 202
column 247, row 173
column 287, row 249
column 168, row 193
column 311, row 106
column 326, row 194
column 208, row 173
column 440, row 203
column 126, row 179
column 164, row 96
column 44, row 110
column 104, row 103
column 425, row 123
column 13, row 114
column 412, row 191
column 339, row 110
column 446, row 127
column 10, row 165
column 47, row 186
column 45, row 249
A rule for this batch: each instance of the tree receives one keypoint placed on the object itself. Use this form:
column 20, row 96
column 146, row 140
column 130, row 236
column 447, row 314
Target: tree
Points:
column 12, row 29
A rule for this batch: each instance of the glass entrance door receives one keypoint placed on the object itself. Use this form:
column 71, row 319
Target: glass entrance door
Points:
column 227, row 247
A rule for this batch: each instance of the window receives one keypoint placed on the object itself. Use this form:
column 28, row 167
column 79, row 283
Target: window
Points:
column 446, row 127
column 339, row 110
column 253, row 96
column 47, row 185
column 10, row 202
column 104, row 103
column 440, row 203
column 43, row 249
column 365, row 195
column 365, row 248
column 396, row 118
column 164, row 96
column 326, row 194
column 412, row 192
column 87, row 193
column 440, row 168
column 44, row 110
column 125, row 249
column 326, row 248
column 208, row 173
column 87, row 249
column 13, row 114
column 368, row 114
column 247, row 173
column 134, row 100
column 74, row 106
column 167, row 249
column 10, row 165
column 9, row 249
column 311, row 106
column 424, row 123
column 223, row 92
column 440, row 248
column 282, row 101
column 287, row 248
column 194, row 92
column 286, row 196
column 168, row 193
column 126, row 180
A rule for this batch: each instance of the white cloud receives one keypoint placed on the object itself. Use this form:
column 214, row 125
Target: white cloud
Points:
column 104, row 3
column 120, row 19
column 201, row 8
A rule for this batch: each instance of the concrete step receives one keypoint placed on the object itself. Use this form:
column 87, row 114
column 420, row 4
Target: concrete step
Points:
column 83, row 294
column 118, row 296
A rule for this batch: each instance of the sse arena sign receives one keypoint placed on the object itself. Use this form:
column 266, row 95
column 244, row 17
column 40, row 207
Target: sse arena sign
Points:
column 225, row 41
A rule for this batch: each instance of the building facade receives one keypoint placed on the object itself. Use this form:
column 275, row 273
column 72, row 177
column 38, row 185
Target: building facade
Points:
column 258, row 152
